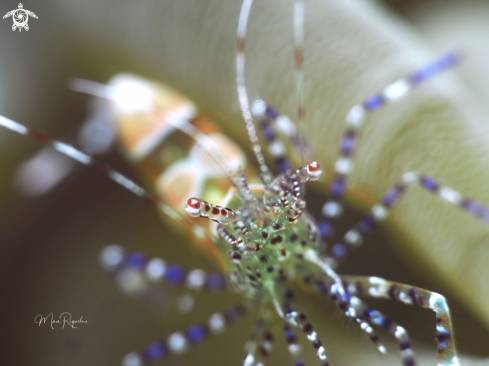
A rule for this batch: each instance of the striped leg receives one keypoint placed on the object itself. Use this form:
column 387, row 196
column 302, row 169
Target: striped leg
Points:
column 355, row 308
column 114, row 259
column 380, row 211
column 287, row 312
column 180, row 342
column 379, row 319
column 378, row 287
column 295, row 348
column 300, row 320
column 346, row 304
column 333, row 209
column 260, row 345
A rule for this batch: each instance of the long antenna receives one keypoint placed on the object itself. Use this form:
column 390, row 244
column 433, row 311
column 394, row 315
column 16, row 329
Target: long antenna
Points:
column 244, row 102
column 299, row 72
column 299, row 77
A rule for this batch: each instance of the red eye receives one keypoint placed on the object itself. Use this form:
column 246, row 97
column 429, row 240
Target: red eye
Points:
column 314, row 170
column 313, row 166
column 193, row 206
column 194, row 203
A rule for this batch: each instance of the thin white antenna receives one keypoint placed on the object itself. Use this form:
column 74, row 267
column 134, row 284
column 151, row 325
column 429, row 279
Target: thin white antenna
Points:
column 299, row 77
column 244, row 102
column 299, row 72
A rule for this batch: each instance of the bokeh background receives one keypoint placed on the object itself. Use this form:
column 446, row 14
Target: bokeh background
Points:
column 49, row 245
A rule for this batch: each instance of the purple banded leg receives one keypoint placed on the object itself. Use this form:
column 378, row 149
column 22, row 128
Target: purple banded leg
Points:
column 124, row 265
column 378, row 287
column 379, row 319
column 344, row 303
column 380, row 211
column 180, row 342
column 355, row 308
column 259, row 346
column 271, row 121
column 287, row 312
column 300, row 320
column 294, row 348
column 260, row 352
column 333, row 209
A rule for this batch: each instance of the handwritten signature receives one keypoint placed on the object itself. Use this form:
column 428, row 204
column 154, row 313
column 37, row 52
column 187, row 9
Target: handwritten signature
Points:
column 64, row 319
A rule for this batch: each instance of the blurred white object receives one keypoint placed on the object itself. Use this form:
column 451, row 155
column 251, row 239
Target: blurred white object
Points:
column 47, row 169
column 42, row 172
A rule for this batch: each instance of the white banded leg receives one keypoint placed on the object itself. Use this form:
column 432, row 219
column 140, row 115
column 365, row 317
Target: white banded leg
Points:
column 300, row 320
column 380, row 211
column 259, row 346
column 295, row 349
column 180, row 342
column 129, row 265
column 345, row 304
column 355, row 119
column 378, row 287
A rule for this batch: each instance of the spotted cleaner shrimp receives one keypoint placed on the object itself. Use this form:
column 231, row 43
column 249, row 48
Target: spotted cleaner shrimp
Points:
column 338, row 289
